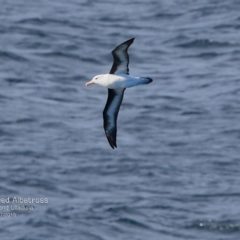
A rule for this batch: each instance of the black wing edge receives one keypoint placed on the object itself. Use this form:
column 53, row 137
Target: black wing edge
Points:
column 115, row 58
column 128, row 42
column 111, row 141
column 112, row 133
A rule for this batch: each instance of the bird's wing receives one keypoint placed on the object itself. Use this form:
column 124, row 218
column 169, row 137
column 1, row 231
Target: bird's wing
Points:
column 110, row 113
column 121, row 58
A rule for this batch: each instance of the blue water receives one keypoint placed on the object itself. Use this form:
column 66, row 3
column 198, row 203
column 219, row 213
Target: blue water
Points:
column 176, row 171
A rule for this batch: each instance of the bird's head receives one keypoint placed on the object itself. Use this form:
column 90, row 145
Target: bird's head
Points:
column 97, row 79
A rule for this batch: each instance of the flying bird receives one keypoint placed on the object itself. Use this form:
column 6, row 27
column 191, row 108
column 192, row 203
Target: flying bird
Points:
column 117, row 80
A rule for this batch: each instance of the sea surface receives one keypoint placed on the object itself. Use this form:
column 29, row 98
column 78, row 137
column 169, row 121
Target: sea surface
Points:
column 176, row 172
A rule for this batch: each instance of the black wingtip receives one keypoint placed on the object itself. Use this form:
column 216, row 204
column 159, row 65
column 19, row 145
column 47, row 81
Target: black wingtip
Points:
column 150, row 80
column 129, row 41
column 111, row 142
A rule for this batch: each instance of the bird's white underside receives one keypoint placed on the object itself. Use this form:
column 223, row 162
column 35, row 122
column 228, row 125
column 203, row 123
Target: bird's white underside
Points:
column 114, row 81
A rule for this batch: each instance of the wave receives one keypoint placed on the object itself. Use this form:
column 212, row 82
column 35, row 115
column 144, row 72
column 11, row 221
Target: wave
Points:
column 205, row 43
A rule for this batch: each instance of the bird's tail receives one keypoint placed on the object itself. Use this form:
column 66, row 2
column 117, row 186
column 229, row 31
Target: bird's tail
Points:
column 146, row 80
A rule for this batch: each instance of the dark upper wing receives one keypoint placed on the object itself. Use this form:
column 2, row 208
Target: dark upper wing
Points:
column 110, row 113
column 121, row 58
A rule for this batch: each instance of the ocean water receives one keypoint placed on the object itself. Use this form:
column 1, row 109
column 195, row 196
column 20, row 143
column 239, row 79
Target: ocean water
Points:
column 176, row 172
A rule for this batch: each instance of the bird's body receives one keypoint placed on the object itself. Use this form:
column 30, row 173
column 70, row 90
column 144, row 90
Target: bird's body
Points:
column 113, row 81
column 117, row 80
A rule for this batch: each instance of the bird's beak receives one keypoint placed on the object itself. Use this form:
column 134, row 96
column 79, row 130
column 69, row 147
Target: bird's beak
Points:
column 89, row 83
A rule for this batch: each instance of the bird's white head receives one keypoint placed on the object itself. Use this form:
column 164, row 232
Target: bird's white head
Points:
column 97, row 79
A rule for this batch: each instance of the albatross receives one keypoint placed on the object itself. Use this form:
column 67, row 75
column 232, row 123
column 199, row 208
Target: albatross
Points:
column 117, row 80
